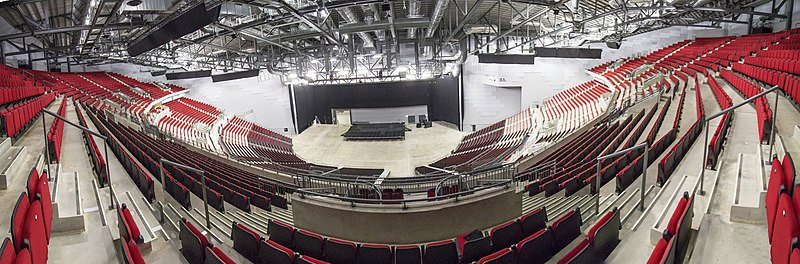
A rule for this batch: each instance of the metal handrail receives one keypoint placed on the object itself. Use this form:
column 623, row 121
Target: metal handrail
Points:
column 645, row 162
column 85, row 129
column 353, row 200
column 708, row 119
column 202, row 173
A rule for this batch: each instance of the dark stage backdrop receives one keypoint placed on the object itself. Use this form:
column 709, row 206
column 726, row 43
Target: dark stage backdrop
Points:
column 440, row 95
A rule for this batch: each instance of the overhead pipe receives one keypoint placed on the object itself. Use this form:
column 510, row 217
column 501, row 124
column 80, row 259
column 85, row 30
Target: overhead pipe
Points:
column 436, row 16
column 376, row 16
column 413, row 12
column 350, row 18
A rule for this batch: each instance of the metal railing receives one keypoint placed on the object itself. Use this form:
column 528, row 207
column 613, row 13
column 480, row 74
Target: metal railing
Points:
column 84, row 129
column 645, row 162
column 497, row 185
column 161, row 169
column 772, row 131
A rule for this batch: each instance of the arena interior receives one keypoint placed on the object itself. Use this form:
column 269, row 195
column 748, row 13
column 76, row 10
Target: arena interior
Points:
column 399, row 131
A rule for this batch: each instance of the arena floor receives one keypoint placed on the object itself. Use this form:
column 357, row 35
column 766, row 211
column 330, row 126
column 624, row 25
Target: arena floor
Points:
column 324, row 145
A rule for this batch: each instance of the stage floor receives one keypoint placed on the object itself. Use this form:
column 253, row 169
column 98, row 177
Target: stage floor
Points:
column 324, row 145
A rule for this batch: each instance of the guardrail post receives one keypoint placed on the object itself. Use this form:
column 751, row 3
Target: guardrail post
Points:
column 705, row 161
column 205, row 199
column 597, row 187
column 644, row 176
column 772, row 131
column 163, row 186
column 46, row 149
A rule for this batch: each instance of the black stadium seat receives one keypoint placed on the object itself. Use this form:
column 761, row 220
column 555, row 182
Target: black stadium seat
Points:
column 245, row 241
column 605, row 234
column 215, row 256
column 340, row 251
column 308, row 243
column 407, row 254
column 583, row 253
column 281, row 233
column 533, row 222
column 475, row 249
column 375, row 254
column 444, row 252
column 270, row 252
column 506, row 234
column 309, row 260
column 536, row 248
column 566, row 229
column 193, row 242
column 503, row 256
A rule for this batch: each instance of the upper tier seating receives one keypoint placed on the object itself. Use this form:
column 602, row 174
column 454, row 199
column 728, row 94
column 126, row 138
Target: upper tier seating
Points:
column 16, row 117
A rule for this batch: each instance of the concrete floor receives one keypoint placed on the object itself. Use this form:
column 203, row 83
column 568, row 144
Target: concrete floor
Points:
column 324, row 145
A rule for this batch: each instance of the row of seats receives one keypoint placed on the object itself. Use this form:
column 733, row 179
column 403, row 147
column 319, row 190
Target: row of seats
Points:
column 30, row 223
column 782, row 205
column 784, row 65
column 528, row 236
column 788, row 82
column 10, row 95
column 651, row 136
column 749, row 89
column 129, row 235
column 15, row 118
column 196, row 248
column 142, row 179
column 600, row 241
column 669, row 162
column 235, row 186
column 720, row 134
column 56, row 134
column 98, row 163
column 673, row 245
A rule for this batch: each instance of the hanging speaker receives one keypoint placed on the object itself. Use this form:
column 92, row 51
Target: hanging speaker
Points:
column 613, row 44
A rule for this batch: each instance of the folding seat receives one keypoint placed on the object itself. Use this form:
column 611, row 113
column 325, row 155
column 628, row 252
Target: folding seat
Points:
column 33, row 233
column 340, row 251
column 672, row 225
column 775, row 187
column 245, row 241
column 193, row 242
column 536, row 248
column 309, row 260
column 581, row 253
column 444, row 251
column 214, row 255
column 476, row 248
column 7, row 252
column 786, row 222
column 407, row 254
column 604, row 235
column 18, row 220
column 127, row 226
column 270, row 252
column 375, row 254
column 566, row 229
column 506, row 234
column 503, row 256
column 788, row 170
column 33, row 181
column 308, row 243
column 133, row 249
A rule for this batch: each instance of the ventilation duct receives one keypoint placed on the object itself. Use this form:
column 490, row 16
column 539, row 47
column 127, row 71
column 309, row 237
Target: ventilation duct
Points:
column 233, row 9
column 350, row 17
column 413, row 12
column 372, row 14
column 436, row 16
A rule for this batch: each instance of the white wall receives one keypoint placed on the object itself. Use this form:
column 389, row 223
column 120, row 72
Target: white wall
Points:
column 550, row 75
column 265, row 94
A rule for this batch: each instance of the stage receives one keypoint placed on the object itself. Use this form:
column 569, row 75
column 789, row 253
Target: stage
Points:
column 379, row 131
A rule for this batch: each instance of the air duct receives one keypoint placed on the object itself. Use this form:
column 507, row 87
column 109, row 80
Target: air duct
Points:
column 350, row 17
column 372, row 14
column 413, row 12
column 436, row 16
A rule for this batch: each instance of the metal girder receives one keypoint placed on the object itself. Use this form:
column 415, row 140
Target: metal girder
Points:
column 215, row 46
column 308, row 22
column 463, row 22
column 127, row 25
column 734, row 11
column 400, row 23
column 114, row 9
column 225, row 27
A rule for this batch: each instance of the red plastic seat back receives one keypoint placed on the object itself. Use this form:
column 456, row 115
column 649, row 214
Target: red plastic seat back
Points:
column 34, row 233
column 18, row 220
